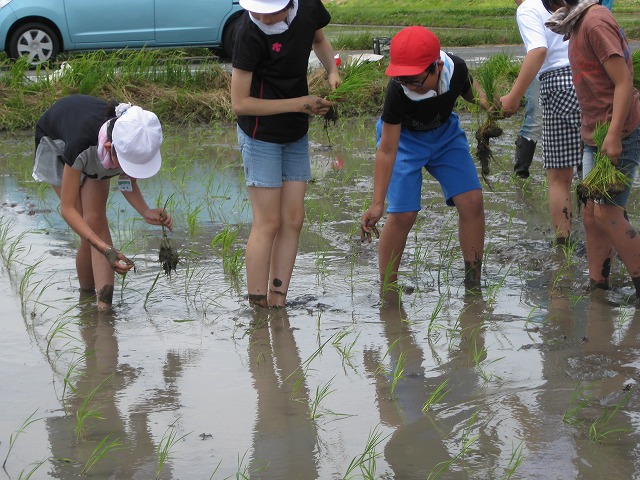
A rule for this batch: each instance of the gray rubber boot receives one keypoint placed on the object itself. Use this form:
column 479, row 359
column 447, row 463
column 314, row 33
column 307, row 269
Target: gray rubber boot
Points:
column 525, row 149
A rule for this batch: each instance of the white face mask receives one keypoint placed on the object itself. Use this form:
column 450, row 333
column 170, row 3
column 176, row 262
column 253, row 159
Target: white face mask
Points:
column 415, row 96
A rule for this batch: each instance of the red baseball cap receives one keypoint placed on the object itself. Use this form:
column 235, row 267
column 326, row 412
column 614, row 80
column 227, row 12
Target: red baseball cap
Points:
column 412, row 50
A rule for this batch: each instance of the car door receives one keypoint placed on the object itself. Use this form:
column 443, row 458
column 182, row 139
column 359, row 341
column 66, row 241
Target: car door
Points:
column 110, row 24
column 191, row 21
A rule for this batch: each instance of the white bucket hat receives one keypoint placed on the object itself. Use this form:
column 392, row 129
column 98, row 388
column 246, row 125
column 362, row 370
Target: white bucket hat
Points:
column 137, row 137
column 264, row 6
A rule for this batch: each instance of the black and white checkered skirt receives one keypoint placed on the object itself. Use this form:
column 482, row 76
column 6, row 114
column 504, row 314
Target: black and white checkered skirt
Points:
column 561, row 141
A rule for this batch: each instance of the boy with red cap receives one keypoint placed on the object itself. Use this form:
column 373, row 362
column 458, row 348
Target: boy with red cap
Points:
column 418, row 129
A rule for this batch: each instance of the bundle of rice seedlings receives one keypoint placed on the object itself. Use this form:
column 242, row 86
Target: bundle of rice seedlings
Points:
column 168, row 254
column 604, row 181
column 491, row 75
column 357, row 75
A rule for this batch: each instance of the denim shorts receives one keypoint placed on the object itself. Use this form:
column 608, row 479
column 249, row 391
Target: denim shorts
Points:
column 443, row 152
column 628, row 162
column 268, row 164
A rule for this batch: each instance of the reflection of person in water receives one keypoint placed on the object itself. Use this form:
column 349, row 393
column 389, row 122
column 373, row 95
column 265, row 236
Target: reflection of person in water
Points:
column 284, row 438
column 103, row 369
column 418, row 442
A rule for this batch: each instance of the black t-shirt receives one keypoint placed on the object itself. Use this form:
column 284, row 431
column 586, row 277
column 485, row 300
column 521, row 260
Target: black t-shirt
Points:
column 76, row 120
column 431, row 112
column 279, row 64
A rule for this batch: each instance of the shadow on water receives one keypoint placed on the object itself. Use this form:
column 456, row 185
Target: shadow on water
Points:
column 531, row 378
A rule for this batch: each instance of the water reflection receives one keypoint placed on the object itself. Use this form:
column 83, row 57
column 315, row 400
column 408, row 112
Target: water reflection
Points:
column 284, row 437
column 103, row 382
column 419, row 444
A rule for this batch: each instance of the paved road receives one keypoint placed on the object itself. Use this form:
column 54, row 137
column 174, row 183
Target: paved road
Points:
column 472, row 55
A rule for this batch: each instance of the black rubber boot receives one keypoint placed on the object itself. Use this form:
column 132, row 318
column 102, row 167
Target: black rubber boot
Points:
column 525, row 149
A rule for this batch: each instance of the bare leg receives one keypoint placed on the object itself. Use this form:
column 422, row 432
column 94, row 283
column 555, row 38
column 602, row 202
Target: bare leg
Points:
column 285, row 246
column 559, row 180
column 265, row 207
column 84, row 268
column 618, row 232
column 393, row 239
column 94, row 195
column 600, row 250
column 471, row 234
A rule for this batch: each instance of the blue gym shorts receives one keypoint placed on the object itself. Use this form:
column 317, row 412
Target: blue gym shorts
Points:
column 443, row 152
column 268, row 164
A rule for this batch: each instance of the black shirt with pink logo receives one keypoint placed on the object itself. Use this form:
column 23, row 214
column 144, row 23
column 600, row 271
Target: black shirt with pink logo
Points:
column 279, row 64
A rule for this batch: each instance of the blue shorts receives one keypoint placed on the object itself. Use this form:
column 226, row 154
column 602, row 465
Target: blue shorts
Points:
column 443, row 152
column 268, row 164
column 628, row 162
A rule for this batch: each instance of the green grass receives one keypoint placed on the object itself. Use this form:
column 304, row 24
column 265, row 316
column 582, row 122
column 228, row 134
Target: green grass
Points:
column 459, row 23
column 162, row 81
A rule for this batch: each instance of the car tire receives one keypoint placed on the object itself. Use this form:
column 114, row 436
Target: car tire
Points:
column 36, row 41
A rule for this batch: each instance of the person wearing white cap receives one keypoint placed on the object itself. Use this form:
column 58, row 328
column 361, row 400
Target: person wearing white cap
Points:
column 81, row 143
column 270, row 97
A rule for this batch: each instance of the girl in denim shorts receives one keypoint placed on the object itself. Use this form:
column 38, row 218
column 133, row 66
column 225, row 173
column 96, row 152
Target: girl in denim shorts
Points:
column 603, row 76
column 270, row 97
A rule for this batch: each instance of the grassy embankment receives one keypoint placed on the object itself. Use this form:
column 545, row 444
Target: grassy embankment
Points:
column 162, row 81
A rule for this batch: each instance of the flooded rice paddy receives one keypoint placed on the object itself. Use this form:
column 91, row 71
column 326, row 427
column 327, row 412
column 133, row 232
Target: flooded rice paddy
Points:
column 533, row 378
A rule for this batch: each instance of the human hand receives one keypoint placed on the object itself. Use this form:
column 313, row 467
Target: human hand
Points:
column 334, row 80
column 119, row 263
column 159, row 216
column 509, row 105
column 612, row 147
column 315, row 105
column 368, row 224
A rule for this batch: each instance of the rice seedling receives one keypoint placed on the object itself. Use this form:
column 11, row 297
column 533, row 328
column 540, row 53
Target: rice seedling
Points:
column 301, row 370
column 398, row 371
column 14, row 436
column 168, row 254
column 491, row 75
column 11, row 246
column 26, row 475
column 442, row 467
column 345, row 351
column 163, row 452
column 232, row 258
column 599, row 431
column 579, row 400
column 322, row 392
column 102, row 450
column 356, row 77
column 152, row 287
column 436, row 396
column 72, row 370
column 517, row 457
column 604, row 181
column 435, row 313
column 26, row 288
column 366, row 461
column 85, row 412
column 59, row 329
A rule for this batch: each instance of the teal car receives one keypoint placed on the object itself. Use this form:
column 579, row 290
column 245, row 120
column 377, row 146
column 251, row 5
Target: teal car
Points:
column 41, row 29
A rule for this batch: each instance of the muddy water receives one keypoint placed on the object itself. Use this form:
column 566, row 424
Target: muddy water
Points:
column 520, row 380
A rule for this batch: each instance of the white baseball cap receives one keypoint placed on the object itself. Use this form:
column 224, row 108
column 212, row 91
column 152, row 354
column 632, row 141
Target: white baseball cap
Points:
column 137, row 137
column 264, row 6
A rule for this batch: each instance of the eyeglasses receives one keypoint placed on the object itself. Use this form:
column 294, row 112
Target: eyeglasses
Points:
column 412, row 82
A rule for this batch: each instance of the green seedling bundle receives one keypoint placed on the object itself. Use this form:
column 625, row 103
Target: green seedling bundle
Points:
column 604, row 181
column 492, row 77
column 356, row 79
